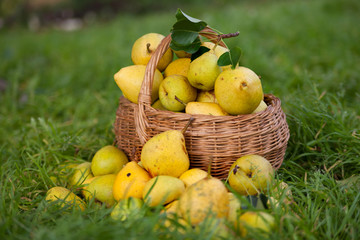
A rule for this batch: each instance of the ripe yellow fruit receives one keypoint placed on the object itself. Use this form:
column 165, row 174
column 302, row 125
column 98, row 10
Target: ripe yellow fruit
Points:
column 84, row 190
column 262, row 106
column 162, row 190
column 192, row 176
column 238, row 91
column 205, row 108
column 130, row 78
column 182, row 54
column 101, row 188
column 203, row 199
column 206, row 96
column 260, row 221
column 130, row 181
column 178, row 67
column 81, row 173
column 234, row 208
column 65, row 197
column 108, row 160
column 145, row 46
column 172, row 208
column 127, row 207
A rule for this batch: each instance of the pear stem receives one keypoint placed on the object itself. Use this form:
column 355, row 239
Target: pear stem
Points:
column 223, row 36
column 148, row 47
column 180, row 101
column 187, row 125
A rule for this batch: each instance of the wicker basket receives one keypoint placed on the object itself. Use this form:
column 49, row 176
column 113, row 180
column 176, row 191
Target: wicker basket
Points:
column 220, row 139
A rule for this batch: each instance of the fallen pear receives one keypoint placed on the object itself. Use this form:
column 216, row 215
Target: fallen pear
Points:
column 101, row 188
column 261, row 222
column 130, row 181
column 166, row 154
column 81, row 173
column 108, row 160
column 127, row 207
column 64, row 197
column 161, row 190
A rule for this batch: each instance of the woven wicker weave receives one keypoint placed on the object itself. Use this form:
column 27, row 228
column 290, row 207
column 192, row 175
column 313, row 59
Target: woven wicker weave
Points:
column 220, row 139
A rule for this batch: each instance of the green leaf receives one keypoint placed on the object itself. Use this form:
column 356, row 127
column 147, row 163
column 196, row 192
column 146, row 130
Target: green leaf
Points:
column 224, row 59
column 235, row 55
column 199, row 52
column 180, row 15
column 189, row 48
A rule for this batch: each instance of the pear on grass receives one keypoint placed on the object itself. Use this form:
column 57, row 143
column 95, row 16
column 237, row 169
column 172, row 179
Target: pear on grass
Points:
column 101, row 188
column 203, row 199
column 161, row 190
column 203, row 71
column 250, row 175
column 128, row 207
column 108, row 160
column 81, row 173
column 166, row 154
column 64, row 197
column 238, row 91
column 145, row 46
column 130, row 78
column 130, row 181
column 261, row 222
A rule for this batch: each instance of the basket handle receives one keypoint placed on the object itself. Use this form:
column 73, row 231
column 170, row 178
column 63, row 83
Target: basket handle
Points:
column 144, row 99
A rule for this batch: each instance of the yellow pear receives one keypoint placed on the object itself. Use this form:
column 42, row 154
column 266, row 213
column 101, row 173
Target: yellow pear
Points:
column 257, row 221
column 178, row 67
column 192, row 176
column 65, row 197
column 127, row 207
column 261, row 107
column 108, row 160
column 238, row 91
column 206, row 96
column 172, row 207
column 218, row 50
column 182, row 54
column 205, row 108
column 166, row 154
column 234, row 208
column 101, row 188
column 203, row 71
column 173, row 87
column 81, row 173
column 250, row 175
column 145, row 46
column 162, row 190
column 203, row 199
column 130, row 181
column 157, row 105
column 130, row 78
column 84, row 189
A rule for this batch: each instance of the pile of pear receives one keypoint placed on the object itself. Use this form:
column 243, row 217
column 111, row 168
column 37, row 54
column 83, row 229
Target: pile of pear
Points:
column 164, row 180
column 198, row 86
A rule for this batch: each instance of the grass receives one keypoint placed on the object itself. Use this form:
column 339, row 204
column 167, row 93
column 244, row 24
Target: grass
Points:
column 60, row 100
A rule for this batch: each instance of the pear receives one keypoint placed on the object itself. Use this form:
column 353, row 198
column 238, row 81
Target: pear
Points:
column 262, row 106
column 179, row 86
column 203, row 71
column 258, row 221
column 234, row 207
column 204, row 198
column 182, row 54
column 172, row 207
column 192, row 176
column 218, row 50
column 250, row 175
column 101, row 189
column 65, row 197
column 157, row 105
column 205, row 108
column 206, row 96
column 127, row 207
column 130, row 181
column 108, row 160
column 161, row 190
column 81, row 173
column 130, row 78
column 145, row 46
column 166, row 154
column 238, row 91
column 178, row 67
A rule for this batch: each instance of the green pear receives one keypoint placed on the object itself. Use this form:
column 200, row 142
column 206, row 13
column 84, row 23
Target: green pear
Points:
column 203, row 199
column 238, row 91
column 203, row 71
column 130, row 78
column 250, row 175
column 161, row 190
column 262, row 222
column 81, row 173
column 157, row 105
column 128, row 207
column 176, row 86
column 166, row 154
column 101, row 188
column 108, row 160
column 205, row 108
column 234, row 207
